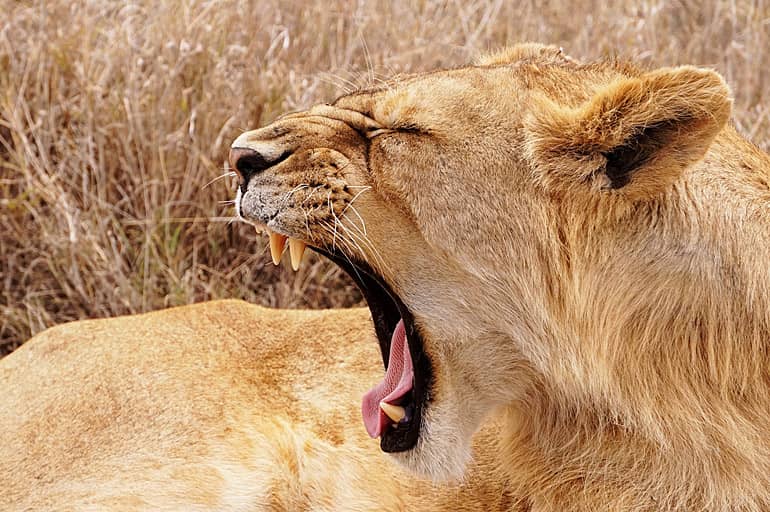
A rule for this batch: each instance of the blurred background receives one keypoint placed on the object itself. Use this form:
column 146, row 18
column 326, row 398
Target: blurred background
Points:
column 116, row 118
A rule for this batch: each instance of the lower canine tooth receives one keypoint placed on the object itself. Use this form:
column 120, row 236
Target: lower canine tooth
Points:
column 296, row 249
column 277, row 245
column 394, row 412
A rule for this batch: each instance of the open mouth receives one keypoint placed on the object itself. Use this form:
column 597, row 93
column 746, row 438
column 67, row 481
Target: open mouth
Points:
column 392, row 410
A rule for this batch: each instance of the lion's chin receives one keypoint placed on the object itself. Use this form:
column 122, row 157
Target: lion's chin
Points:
column 443, row 450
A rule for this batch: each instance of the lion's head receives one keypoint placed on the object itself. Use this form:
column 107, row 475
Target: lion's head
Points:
column 526, row 230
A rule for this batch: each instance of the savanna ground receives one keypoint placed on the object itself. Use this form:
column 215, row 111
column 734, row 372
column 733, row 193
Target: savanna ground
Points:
column 116, row 118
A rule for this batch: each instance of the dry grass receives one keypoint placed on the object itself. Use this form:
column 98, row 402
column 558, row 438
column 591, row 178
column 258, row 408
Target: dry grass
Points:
column 115, row 122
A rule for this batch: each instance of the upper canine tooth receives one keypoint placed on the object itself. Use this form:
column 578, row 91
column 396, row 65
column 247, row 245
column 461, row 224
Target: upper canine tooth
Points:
column 277, row 245
column 296, row 249
column 394, row 412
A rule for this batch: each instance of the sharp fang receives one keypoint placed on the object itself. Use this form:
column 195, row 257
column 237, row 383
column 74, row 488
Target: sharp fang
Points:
column 394, row 412
column 296, row 249
column 277, row 245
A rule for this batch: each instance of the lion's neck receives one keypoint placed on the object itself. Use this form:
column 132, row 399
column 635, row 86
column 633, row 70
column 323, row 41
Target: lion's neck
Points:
column 657, row 367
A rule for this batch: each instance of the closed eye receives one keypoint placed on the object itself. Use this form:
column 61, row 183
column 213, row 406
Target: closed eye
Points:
column 378, row 131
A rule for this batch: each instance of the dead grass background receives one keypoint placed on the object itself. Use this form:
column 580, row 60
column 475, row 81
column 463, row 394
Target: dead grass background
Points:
column 115, row 119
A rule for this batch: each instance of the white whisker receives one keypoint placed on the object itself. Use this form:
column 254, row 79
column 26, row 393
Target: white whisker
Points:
column 286, row 195
column 228, row 174
column 350, row 205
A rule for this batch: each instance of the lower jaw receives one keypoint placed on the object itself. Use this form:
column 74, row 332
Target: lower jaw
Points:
column 387, row 309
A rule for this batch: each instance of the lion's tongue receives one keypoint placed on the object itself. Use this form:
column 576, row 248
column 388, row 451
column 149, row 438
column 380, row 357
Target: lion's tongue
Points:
column 397, row 383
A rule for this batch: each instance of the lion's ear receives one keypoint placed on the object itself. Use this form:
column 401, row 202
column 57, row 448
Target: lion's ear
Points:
column 634, row 136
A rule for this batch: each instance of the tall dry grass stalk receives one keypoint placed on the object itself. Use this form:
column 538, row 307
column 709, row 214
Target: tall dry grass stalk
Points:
column 115, row 119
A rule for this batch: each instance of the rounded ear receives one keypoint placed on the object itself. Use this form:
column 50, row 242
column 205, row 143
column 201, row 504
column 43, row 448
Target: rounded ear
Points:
column 525, row 51
column 635, row 135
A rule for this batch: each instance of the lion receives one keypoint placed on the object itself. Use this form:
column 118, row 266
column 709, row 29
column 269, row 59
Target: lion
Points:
column 565, row 259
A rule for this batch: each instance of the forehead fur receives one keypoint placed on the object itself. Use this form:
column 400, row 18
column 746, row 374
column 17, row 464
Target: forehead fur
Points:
column 423, row 100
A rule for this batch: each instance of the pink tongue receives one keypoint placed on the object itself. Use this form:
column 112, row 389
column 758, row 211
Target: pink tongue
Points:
column 397, row 383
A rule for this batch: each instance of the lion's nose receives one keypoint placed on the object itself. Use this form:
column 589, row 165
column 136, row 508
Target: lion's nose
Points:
column 246, row 163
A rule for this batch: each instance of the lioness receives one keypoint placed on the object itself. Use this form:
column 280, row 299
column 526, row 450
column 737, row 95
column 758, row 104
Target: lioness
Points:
column 575, row 249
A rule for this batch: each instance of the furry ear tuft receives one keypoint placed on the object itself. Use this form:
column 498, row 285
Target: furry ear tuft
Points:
column 635, row 135
column 525, row 51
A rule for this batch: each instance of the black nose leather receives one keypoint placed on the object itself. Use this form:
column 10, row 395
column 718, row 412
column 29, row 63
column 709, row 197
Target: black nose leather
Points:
column 246, row 163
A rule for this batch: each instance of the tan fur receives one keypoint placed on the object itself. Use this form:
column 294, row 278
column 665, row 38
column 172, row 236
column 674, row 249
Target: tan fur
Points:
column 221, row 406
column 584, row 250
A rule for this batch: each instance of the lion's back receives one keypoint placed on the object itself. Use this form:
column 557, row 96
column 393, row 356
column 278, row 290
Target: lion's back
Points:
column 217, row 403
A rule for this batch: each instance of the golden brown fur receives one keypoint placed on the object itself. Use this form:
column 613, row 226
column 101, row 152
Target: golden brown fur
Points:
column 583, row 248
column 219, row 406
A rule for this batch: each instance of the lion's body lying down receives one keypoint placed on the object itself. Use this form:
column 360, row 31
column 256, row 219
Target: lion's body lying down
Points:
column 215, row 406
